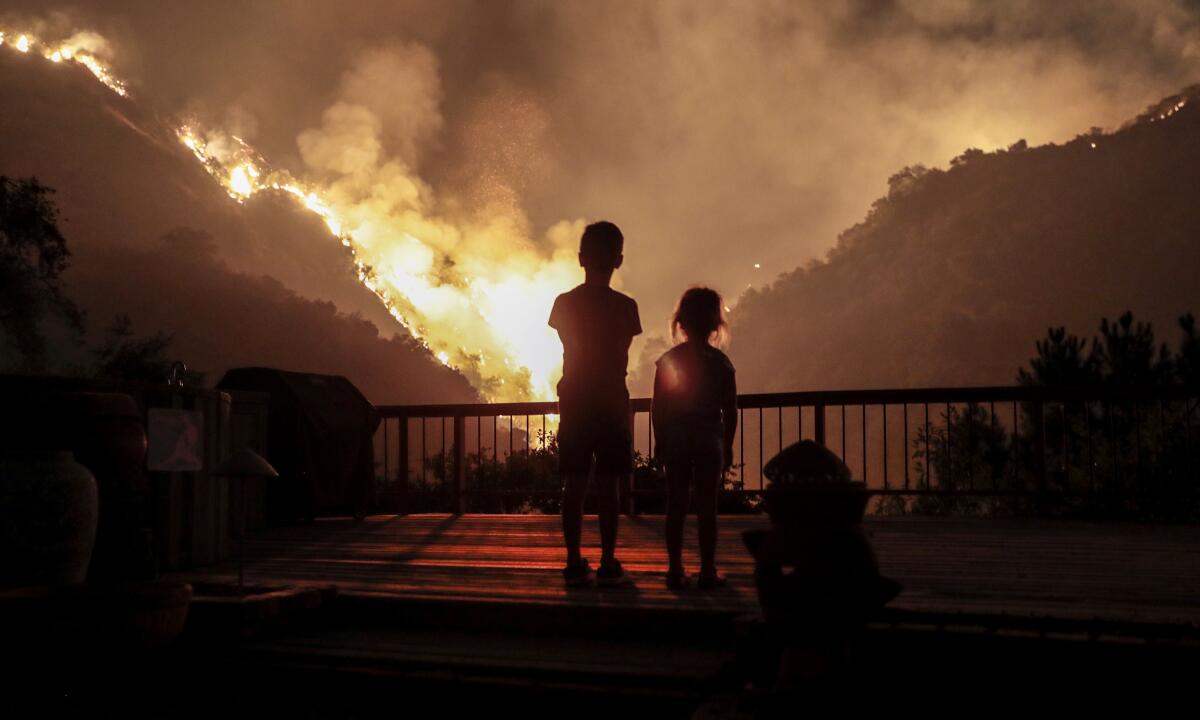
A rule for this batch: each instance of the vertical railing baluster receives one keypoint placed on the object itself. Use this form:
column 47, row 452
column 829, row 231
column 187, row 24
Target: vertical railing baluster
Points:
column 1137, row 439
column 948, row 452
column 1162, row 429
column 885, row 447
column 402, row 501
column 928, row 457
column 650, row 434
column 1112, row 446
column 905, row 436
column 992, row 421
column 819, row 424
column 760, row 446
column 780, row 428
column 459, row 464
column 1016, row 447
column 625, row 494
column 387, row 470
column 968, row 456
column 1187, row 440
column 1091, row 453
column 423, row 451
column 864, row 443
column 1066, row 447
column 742, row 447
column 843, row 432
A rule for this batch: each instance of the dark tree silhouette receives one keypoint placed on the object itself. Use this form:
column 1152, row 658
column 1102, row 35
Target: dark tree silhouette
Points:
column 1127, row 354
column 33, row 256
column 1121, row 458
column 1062, row 360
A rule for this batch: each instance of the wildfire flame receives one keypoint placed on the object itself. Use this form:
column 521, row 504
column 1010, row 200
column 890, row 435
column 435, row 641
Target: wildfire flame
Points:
column 485, row 316
column 1170, row 111
column 82, row 48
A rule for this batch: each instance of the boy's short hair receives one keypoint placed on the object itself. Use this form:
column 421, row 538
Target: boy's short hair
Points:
column 601, row 244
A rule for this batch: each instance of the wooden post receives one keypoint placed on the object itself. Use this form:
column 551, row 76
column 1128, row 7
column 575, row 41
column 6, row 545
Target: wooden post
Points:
column 627, row 506
column 459, row 467
column 402, row 471
column 819, row 425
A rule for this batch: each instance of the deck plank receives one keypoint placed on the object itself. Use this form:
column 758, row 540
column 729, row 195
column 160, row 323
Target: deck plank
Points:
column 1073, row 570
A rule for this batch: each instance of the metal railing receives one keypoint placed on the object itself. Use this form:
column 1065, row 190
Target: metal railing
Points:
column 982, row 442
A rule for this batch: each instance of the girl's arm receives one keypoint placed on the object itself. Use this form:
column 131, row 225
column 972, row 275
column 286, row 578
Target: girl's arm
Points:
column 729, row 414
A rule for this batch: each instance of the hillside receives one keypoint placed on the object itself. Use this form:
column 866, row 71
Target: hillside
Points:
column 953, row 275
column 153, row 236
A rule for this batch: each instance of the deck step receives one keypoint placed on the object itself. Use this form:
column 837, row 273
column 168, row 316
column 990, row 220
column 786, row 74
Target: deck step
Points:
column 593, row 619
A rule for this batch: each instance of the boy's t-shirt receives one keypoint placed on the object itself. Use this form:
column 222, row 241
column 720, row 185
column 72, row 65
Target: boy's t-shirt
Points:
column 596, row 325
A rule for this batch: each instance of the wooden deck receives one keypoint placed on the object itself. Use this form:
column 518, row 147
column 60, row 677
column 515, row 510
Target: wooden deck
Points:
column 1033, row 569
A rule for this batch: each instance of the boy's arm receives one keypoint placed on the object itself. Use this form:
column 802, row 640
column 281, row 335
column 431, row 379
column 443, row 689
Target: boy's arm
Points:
column 729, row 414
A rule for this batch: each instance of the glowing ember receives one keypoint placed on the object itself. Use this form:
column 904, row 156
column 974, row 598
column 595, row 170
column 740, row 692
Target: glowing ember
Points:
column 1170, row 111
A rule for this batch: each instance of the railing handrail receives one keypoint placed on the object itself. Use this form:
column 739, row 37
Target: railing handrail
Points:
column 810, row 398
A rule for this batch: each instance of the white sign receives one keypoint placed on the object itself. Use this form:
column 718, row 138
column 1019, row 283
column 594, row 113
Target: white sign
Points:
column 176, row 440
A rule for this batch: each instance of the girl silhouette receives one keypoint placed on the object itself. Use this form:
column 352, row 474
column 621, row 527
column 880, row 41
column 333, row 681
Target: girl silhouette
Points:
column 695, row 417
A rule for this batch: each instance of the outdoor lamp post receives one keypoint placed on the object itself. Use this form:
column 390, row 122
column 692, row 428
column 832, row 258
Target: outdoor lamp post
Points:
column 242, row 465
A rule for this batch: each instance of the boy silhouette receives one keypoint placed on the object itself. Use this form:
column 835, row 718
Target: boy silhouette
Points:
column 596, row 325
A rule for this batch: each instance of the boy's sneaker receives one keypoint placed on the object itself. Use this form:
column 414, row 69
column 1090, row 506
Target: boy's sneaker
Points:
column 612, row 574
column 676, row 580
column 577, row 574
column 710, row 580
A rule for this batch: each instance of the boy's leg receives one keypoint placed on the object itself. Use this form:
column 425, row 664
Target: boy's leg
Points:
column 608, row 507
column 574, row 462
column 678, row 486
column 574, row 491
column 614, row 461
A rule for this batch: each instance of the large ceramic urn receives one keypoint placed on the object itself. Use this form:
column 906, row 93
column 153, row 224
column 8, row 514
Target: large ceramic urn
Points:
column 104, row 433
column 48, row 513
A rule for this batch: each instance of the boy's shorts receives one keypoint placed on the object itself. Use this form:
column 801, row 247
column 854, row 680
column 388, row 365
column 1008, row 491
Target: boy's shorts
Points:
column 605, row 437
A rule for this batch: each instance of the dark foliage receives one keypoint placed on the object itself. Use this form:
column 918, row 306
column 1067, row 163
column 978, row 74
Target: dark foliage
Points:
column 33, row 256
column 1126, row 459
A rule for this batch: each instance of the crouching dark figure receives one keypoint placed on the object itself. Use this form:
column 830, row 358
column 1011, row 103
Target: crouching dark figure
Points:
column 816, row 573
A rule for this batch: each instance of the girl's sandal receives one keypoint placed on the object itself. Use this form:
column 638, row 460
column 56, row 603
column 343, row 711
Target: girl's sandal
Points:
column 676, row 580
column 710, row 581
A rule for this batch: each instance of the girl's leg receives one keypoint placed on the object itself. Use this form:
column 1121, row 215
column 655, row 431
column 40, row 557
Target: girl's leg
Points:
column 708, row 481
column 678, row 481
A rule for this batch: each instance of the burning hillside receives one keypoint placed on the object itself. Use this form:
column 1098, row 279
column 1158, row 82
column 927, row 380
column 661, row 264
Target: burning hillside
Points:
column 473, row 292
